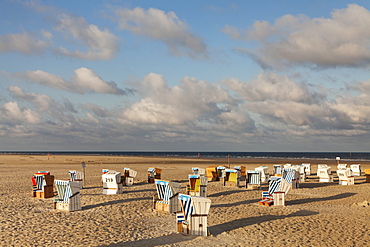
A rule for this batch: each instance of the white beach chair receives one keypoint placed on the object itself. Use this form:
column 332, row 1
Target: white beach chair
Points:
column 292, row 177
column 167, row 192
column 76, row 176
column 128, row 176
column 199, row 171
column 345, row 178
column 154, row 173
column 264, row 173
column 308, row 168
column 69, row 197
column 254, row 180
column 324, row 173
column 112, row 183
column 275, row 195
column 277, row 169
column 355, row 169
column 192, row 219
column 342, row 166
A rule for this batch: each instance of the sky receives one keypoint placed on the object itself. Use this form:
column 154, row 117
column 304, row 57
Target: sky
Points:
column 246, row 76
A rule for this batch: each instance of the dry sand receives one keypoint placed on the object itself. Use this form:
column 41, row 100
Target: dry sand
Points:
column 317, row 214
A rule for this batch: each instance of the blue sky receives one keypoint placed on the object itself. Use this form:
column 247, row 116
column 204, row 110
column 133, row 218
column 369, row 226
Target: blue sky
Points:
column 184, row 76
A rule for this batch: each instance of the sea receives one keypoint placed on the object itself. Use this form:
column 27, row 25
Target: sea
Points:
column 355, row 156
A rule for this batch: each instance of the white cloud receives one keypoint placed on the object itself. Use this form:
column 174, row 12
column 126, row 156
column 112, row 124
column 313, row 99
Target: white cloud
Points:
column 166, row 27
column 23, row 43
column 43, row 102
column 342, row 40
column 83, row 81
column 15, row 114
column 100, row 44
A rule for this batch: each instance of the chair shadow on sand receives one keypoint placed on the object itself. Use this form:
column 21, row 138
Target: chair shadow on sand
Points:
column 329, row 198
column 115, row 202
column 240, row 223
column 225, row 193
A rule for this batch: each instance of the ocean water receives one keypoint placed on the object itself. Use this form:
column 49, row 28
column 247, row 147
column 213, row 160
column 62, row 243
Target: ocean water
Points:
column 241, row 155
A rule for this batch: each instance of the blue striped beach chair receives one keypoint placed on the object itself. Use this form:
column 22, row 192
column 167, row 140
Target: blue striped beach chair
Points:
column 68, row 197
column 192, row 219
column 166, row 191
column 292, row 177
column 42, row 183
column 254, row 180
column 275, row 195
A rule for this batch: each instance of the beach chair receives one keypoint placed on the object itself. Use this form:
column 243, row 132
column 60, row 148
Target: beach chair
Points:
column 264, row 173
column 277, row 170
column 112, row 183
column 324, row 173
column 76, row 176
column 232, row 177
column 345, row 178
column 275, row 195
column 308, row 168
column 167, row 193
column 68, row 197
column 291, row 176
column 192, row 219
column 197, row 185
column 198, row 171
column 211, row 173
column 254, row 180
column 367, row 175
column 342, row 166
column 355, row 169
column 301, row 169
column 287, row 166
column 220, row 173
column 42, row 183
column 128, row 177
column 154, row 173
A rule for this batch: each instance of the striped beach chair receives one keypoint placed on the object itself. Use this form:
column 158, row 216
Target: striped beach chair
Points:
column 277, row 169
column 42, row 183
column 68, row 197
column 275, row 195
column 167, row 192
column 220, row 173
column 254, row 180
column 192, row 219
column 112, row 183
column 292, row 177
column 76, row 176
column 198, row 171
column 197, row 185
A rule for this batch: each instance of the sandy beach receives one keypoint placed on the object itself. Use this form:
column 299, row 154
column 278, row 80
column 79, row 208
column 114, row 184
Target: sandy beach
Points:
column 317, row 214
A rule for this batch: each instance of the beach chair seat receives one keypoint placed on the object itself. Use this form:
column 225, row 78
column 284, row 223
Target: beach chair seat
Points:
column 342, row 166
column 264, row 173
column 277, row 169
column 345, row 178
column 291, row 176
column 324, row 173
column 166, row 190
column 154, row 173
column 278, row 186
column 197, row 185
column 307, row 168
column 68, row 196
column 221, row 173
column 198, row 171
column 42, row 183
column 232, row 177
column 128, row 177
column 254, row 180
column 211, row 173
column 355, row 169
column 192, row 219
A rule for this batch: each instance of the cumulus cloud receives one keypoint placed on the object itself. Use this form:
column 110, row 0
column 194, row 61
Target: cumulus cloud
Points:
column 43, row 102
column 100, row 44
column 23, row 43
column 166, row 27
column 82, row 81
column 192, row 102
column 17, row 115
column 342, row 40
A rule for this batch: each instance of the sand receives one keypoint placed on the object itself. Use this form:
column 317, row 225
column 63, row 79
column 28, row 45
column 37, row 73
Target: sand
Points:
column 317, row 214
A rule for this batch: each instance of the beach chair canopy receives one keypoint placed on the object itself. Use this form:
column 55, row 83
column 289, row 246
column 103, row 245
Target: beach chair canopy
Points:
column 66, row 189
column 166, row 189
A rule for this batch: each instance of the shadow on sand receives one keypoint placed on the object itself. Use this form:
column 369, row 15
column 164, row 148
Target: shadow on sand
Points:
column 115, row 202
column 308, row 200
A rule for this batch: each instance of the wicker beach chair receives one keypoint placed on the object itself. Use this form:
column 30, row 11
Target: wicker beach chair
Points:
column 167, row 192
column 42, row 183
column 345, row 178
column 112, row 183
column 69, row 197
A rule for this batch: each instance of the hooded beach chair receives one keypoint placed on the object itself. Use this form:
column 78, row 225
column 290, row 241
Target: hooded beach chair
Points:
column 68, row 197
column 301, row 169
column 324, row 173
column 198, row 171
column 275, row 195
column 264, row 173
column 254, row 180
column 355, row 169
column 307, row 169
column 220, row 173
column 211, row 173
column 112, row 183
column 197, row 185
column 192, row 219
column 154, row 173
column 165, row 199
column 345, row 178
column 342, row 166
column 76, row 176
column 42, row 183
column 232, row 177
column 277, row 170
column 128, row 177
column 291, row 176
